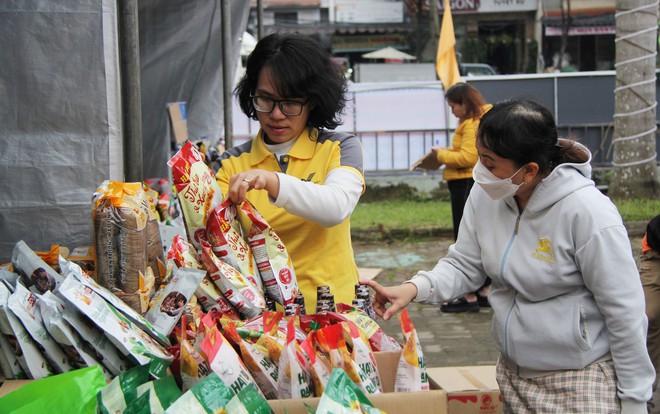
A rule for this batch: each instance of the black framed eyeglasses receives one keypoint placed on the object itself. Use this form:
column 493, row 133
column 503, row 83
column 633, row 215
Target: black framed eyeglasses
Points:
column 287, row 107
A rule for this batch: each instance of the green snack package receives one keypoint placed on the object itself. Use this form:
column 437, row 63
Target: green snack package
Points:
column 207, row 396
column 248, row 401
column 154, row 397
column 71, row 392
column 122, row 390
column 343, row 396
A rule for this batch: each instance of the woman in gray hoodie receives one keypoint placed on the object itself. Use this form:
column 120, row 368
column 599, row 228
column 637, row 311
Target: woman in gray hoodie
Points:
column 567, row 300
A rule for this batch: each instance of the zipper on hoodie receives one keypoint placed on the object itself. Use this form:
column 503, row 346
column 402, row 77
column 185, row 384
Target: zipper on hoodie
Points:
column 513, row 302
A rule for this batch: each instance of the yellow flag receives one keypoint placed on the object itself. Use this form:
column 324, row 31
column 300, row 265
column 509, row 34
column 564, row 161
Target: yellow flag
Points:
column 446, row 65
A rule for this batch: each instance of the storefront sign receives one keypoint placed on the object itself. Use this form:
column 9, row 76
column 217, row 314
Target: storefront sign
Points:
column 369, row 12
column 581, row 30
column 490, row 6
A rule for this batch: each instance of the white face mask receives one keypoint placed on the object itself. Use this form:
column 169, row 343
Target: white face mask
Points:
column 496, row 188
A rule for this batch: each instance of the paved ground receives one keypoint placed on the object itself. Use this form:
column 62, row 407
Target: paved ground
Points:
column 447, row 339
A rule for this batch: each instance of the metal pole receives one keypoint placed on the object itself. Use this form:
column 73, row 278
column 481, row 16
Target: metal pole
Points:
column 260, row 19
column 131, row 98
column 226, row 72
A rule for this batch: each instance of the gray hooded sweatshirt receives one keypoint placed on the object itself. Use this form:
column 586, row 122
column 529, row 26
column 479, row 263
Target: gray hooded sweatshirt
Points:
column 565, row 287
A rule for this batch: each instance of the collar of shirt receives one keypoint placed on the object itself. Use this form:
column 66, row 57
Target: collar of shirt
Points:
column 302, row 149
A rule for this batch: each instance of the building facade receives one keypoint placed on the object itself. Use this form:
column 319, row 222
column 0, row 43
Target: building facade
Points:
column 513, row 36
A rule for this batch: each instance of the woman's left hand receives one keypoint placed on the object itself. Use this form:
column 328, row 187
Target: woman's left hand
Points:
column 241, row 183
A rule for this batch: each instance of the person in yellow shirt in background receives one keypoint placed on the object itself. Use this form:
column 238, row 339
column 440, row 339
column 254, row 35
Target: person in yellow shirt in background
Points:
column 304, row 179
column 468, row 106
column 649, row 271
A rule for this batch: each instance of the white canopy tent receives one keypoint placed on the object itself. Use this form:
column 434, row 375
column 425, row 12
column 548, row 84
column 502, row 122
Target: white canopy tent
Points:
column 388, row 53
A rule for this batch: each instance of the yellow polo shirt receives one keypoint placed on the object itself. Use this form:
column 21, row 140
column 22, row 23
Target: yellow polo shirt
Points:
column 320, row 255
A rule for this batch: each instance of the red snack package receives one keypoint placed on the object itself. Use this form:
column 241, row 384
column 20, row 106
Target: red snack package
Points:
column 246, row 298
column 273, row 260
column 197, row 190
column 261, row 366
column 226, row 239
column 331, row 340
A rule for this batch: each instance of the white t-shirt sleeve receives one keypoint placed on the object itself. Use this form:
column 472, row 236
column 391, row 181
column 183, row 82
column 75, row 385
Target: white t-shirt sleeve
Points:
column 327, row 204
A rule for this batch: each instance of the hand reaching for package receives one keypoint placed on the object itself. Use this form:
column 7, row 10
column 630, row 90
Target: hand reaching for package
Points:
column 241, row 183
column 398, row 297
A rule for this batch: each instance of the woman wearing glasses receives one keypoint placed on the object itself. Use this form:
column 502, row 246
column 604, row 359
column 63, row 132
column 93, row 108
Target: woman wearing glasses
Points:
column 304, row 179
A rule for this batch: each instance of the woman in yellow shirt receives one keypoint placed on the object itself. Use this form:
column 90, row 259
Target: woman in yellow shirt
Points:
column 468, row 106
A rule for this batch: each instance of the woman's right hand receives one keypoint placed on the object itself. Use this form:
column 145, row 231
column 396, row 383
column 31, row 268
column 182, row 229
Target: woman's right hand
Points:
column 397, row 296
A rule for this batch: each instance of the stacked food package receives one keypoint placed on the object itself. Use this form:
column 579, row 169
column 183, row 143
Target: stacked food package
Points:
column 200, row 317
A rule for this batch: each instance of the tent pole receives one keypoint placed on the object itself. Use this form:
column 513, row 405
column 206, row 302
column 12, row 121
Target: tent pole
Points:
column 260, row 19
column 129, row 61
column 226, row 72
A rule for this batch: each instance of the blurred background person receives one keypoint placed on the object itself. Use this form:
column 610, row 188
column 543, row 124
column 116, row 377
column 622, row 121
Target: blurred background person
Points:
column 468, row 106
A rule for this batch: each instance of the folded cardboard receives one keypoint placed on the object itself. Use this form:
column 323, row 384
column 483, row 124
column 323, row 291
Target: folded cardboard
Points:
column 433, row 401
column 470, row 390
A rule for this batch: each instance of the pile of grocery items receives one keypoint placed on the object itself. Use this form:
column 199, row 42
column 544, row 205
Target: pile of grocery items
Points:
column 209, row 323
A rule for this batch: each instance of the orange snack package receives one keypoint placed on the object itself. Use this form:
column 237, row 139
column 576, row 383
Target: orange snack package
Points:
column 411, row 375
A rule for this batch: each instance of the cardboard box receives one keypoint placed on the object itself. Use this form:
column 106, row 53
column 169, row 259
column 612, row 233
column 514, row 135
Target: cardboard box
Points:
column 434, row 401
column 470, row 390
column 11, row 385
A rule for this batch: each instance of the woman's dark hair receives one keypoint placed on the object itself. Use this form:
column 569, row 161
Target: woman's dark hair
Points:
column 523, row 131
column 462, row 93
column 300, row 68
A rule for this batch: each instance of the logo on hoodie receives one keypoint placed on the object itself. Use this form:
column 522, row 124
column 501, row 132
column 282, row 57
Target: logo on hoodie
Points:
column 544, row 251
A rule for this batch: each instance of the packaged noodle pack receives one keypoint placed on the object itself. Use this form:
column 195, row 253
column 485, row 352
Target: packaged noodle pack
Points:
column 378, row 339
column 342, row 396
column 273, row 261
column 29, row 357
column 270, row 339
column 80, row 354
column 263, row 369
column 319, row 366
column 122, row 390
column 11, row 368
column 294, row 378
column 154, row 397
column 166, row 312
column 25, row 306
column 224, row 360
column 210, row 297
column 242, row 294
column 33, row 270
column 123, row 333
column 73, row 270
column 331, row 340
column 182, row 255
column 193, row 366
column 94, row 339
column 212, row 395
column 197, row 190
column 361, row 353
column 411, row 373
column 226, row 239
